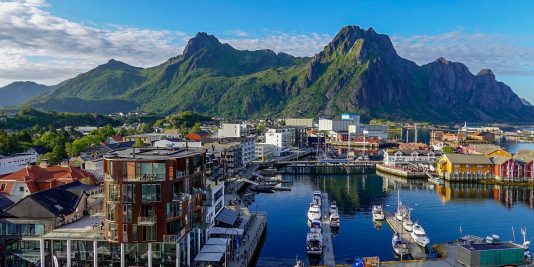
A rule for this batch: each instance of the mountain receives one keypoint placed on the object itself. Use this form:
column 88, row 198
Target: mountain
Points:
column 526, row 102
column 359, row 71
column 18, row 92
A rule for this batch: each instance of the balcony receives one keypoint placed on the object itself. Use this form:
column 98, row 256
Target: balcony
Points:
column 181, row 197
column 148, row 221
column 172, row 239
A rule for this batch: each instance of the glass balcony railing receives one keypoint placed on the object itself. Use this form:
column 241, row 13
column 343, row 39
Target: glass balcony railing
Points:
column 181, row 197
column 148, row 220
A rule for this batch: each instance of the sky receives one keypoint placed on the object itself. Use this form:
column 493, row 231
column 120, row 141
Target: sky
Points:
column 48, row 41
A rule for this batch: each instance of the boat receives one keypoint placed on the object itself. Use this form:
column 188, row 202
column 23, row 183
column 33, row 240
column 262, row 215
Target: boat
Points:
column 298, row 262
column 399, row 246
column 269, row 172
column 315, row 226
column 407, row 222
column 314, row 212
column 317, row 197
column 526, row 244
column 401, row 211
column 378, row 213
column 333, row 207
column 262, row 189
column 314, row 243
column 419, row 235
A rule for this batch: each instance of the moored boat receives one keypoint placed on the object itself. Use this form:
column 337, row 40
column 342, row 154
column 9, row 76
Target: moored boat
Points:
column 314, row 243
column 378, row 213
column 269, row 172
column 262, row 189
column 399, row 246
column 314, row 212
column 419, row 235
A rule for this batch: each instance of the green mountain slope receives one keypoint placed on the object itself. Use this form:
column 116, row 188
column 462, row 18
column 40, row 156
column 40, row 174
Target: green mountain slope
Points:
column 18, row 92
column 359, row 71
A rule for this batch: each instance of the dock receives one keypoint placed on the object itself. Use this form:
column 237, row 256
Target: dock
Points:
column 416, row 251
column 328, row 247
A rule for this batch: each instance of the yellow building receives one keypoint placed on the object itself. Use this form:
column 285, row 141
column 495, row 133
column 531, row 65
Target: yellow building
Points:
column 490, row 150
column 463, row 167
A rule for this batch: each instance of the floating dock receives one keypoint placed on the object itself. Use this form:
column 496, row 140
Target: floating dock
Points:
column 328, row 247
column 416, row 251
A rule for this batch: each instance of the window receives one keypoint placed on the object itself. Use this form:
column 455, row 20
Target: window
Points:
column 173, row 209
column 128, row 193
column 150, row 192
column 21, row 188
column 134, row 232
column 150, row 171
column 113, row 192
column 113, row 233
column 110, row 211
column 149, row 233
column 127, row 212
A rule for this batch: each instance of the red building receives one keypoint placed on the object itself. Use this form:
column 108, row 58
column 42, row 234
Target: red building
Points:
column 198, row 136
column 505, row 167
column 152, row 195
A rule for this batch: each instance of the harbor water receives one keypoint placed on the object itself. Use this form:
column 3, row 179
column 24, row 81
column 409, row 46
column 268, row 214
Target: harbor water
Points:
column 445, row 213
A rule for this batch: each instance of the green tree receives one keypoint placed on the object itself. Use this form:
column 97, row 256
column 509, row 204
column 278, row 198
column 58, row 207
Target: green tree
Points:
column 139, row 143
column 196, row 128
column 448, row 149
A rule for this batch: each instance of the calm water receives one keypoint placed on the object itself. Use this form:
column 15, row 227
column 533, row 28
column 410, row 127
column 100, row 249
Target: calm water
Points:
column 515, row 147
column 478, row 209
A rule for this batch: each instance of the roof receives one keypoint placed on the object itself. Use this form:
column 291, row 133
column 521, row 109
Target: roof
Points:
column 493, row 246
column 41, row 150
column 5, row 202
column 499, row 160
column 486, row 148
column 153, row 153
column 227, row 216
column 525, row 155
column 120, row 145
column 51, row 203
column 468, row 159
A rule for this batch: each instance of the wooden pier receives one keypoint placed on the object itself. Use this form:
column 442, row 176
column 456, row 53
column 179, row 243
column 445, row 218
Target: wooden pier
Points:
column 416, row 251
column 328, row 247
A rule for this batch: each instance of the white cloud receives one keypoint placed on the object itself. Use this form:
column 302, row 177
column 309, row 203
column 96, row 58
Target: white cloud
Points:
column 293, row 44
column 35, row 45
column 505, row 55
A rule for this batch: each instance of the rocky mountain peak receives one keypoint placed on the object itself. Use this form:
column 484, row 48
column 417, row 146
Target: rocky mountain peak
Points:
column 200, row 41
column 486, row 72
column 442, row 60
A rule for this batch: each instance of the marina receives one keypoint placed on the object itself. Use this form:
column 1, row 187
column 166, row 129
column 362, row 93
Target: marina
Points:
column 416, row 251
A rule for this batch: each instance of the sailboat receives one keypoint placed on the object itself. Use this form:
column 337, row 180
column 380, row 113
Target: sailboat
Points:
column 407, row 223
column 401, row 211
column 399, row 246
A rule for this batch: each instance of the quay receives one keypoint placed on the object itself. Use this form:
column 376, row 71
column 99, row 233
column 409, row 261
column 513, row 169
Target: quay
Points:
column 400, row 172
column 416, row 251
column 251, row 243
column 328, row 247
column 327, row 167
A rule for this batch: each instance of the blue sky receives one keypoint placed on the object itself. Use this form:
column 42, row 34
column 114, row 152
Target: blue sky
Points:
column 73, row 36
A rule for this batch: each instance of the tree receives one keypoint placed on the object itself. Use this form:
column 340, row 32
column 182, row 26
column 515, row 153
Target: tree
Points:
column 138, row 143
column 196, row 128
column 448, row 149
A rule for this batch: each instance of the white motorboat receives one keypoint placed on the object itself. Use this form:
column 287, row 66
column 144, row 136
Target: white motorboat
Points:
column 334, row 220
column 317, row 197
column 315, row 226
column 419, row 235
column 399, row 246
column 314, row 243
column 333, row 207
column 378, row 213
column 314, row 212
column 407, row 224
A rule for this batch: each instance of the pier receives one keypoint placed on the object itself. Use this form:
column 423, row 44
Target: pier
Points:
column 322, row 167
column 328, row 247
column 416, row 251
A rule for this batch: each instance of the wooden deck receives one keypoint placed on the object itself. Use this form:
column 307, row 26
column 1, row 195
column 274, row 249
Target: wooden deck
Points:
column 416, row 251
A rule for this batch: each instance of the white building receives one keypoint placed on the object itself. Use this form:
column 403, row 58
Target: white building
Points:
column 282, row 138
column 232, row 130
column 84, row 130
column 264, row 152
column 403, row 157
column 299, row 122
column 338, row 125
column 375, row 131
column 248, row 148
column 176, row 143
column 215, row 196
column 10, row 164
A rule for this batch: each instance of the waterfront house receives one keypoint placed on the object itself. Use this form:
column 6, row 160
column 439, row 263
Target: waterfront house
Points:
column 527, row 157
column 507, row 168
column 483, row 136
column 464, row 167
column 33, row 179
column 405, row 157
column 487, row 150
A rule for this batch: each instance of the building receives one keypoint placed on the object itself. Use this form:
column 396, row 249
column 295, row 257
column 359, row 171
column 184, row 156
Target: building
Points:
column 198, row 136
column 464, row 167
column 490, row 254
column 282, row 139
column 453, row 137
column 299, row 122
column 506, row 168
column 375, row 131
column 248, row 148
column 486, row 150
column 413, row 146
column 404, row 157
column 483, row 136
column 85, row 130
column 10, row 164
column 154, row 196
column 229, row 153
column 337, row 125
column 34, row 179
column 177, row 143
column 99, row 151
column 147, row 139
column 264, row 152
column 232, row 130
column 24, row 224
column 114, row 139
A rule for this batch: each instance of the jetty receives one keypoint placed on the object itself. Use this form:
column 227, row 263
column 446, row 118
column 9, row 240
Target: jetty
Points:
column 328, row 247
column 416, row 251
